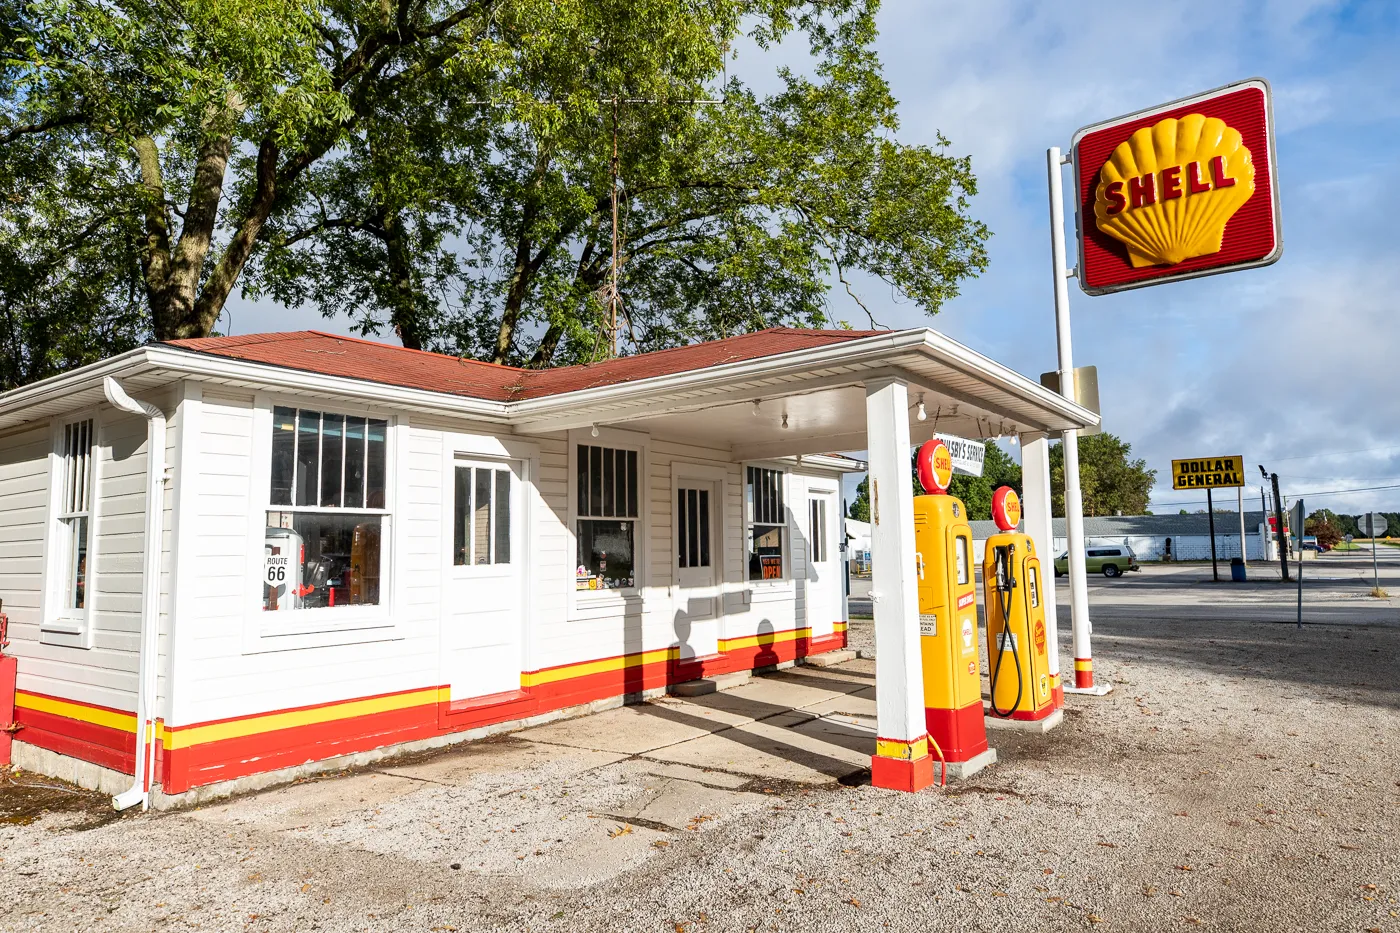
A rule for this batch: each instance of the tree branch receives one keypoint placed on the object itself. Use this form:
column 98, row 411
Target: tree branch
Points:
column 44, row 126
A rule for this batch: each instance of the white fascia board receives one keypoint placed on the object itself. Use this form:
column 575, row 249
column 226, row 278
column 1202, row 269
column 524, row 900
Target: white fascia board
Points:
column 194, row 363
column 862, row 350
column 176, row 363
column 972, row 363
column 844, row 464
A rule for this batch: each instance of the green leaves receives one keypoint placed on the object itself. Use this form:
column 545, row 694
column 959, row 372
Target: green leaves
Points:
column 1109, row 481
column 443, row 169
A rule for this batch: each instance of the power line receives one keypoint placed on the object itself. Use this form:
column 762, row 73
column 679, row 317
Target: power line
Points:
column 1333, row 453
column 1292, row 495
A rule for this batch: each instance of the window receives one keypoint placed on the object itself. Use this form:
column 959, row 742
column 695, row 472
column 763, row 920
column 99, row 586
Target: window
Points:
column 74, row 514
column 818, row 531
column 607, row 518
column 481, row 516
column 322, row 547
column 960, row 547
column 1033, row 586
column 767, row 521
column 693, row 527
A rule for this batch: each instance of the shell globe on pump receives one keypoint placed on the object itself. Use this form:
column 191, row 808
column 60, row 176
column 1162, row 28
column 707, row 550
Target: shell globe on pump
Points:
column 947, row 613
column 1018, row 663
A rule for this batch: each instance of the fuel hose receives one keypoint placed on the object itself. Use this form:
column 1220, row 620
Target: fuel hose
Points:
column 1004, row 602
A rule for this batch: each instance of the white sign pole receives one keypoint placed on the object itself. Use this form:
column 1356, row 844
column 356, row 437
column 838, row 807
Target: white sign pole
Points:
column 1074, row 501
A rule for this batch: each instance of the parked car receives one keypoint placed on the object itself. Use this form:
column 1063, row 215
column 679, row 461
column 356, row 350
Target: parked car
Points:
column 1111, row 560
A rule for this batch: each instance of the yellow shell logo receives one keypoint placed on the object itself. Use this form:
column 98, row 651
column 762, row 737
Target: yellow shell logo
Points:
column 1168, row 191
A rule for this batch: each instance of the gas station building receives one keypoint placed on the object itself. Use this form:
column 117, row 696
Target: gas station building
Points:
column 365, row 549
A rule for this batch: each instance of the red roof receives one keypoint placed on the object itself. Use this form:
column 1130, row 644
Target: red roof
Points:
column 354, row 358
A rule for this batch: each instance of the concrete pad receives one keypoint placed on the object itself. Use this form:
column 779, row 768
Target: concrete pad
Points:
column 310, row 804
column 770, row 749
column 962, row 770
column 504, row 757
column 696, row 775
column 829, row 658
column 707, row 685
column 779, row 692
column 860, row 704
column 722, row 709
column 677, row 804
column 853, row 733
column 1024, row 725
column 630, row 730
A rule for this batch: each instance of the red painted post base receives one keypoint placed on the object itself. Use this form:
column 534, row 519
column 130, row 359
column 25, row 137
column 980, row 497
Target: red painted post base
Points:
column 1084, row 673
column 901, row 773
column 8, row 666
column 1057, row 693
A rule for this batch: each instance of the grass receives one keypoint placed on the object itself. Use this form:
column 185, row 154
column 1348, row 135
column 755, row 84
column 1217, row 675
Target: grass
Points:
column 1380, row 593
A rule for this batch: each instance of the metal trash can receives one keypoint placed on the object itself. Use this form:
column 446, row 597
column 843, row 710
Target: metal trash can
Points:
column 1237, row 573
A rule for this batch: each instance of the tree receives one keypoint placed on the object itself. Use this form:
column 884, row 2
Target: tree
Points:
column 975, row 491
column 442, row 168
column 1328, row 535
column 860, row 505
column 735, row 211
column 1109, row 481
column 195, row 120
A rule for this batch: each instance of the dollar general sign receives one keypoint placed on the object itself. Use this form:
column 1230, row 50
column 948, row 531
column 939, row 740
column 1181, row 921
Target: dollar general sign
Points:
column 1207, row 472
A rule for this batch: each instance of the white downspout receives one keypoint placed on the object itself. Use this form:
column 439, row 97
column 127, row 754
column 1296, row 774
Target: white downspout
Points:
column 150, row 592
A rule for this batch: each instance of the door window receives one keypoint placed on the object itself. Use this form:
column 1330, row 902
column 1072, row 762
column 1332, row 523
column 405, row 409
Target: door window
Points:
column 817, row 531
column 480, row 516
column 693, row 527
column 960, row 549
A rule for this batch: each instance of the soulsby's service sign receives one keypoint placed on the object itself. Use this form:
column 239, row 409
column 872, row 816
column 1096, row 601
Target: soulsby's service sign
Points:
column 1178, row 191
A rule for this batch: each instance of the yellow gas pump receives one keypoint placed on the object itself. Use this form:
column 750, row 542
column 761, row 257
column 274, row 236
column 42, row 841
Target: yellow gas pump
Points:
column 1018, row 665
column 947, row 612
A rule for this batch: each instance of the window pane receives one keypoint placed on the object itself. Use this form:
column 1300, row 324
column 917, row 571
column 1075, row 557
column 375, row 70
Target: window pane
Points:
column 605, row 555
column 632, row 484
column 503, row 516
column 766, row 552
column 681, row 554
column 704, row 528
column 960, row 546
column 332, row 459
column 620, row 483
column 375, row 463
column 354, row 462
column 609, row 483
column 77, row 577
column 595, row 480
column 308, row 457
column 324, row 560
column 1033, row 586
column 284, row 451
column 750, row 513
column 692, row 501
column 461, row 508
column 481, row 519
column 584, row 505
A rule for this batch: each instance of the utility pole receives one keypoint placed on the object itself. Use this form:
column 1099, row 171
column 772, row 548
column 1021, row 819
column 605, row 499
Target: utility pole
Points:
column 1278, row 519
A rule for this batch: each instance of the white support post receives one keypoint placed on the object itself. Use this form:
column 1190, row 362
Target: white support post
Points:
column 901, row 760
column 1035, row 507
column 1074, row 502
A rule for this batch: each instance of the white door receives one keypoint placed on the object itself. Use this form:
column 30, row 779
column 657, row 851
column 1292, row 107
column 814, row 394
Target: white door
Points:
column 825, row 580
column 483, row 607
column 697, row 567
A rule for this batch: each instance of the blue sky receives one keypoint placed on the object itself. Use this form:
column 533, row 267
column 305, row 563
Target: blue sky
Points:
column 1293, row 365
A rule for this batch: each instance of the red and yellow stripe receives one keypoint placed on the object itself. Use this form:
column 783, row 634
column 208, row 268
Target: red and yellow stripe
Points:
column 220, row 750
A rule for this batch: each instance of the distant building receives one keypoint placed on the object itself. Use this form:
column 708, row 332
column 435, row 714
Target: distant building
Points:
column 1150, row 536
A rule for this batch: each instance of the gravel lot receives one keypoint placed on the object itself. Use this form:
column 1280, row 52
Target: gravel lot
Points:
column 1241, row 776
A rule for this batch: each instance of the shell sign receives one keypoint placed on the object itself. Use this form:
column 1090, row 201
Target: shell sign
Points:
column 1178, row 191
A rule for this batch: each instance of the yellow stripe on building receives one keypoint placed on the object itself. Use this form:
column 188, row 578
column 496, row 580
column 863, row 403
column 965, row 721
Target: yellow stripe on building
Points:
column 605, row 666
column 755, row 641
column 123, row 722
column 215, row 732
